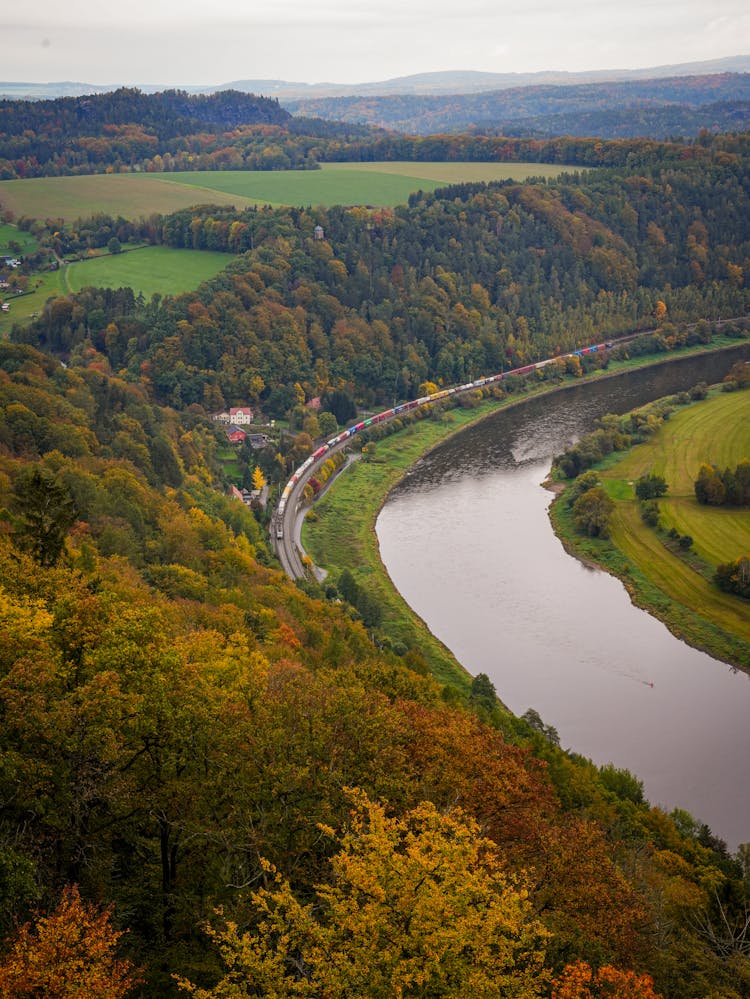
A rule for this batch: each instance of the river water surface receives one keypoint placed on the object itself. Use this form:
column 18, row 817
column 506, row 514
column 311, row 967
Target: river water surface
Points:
column 467, row 541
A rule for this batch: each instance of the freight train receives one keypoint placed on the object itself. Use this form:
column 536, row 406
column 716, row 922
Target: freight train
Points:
column 405, row 407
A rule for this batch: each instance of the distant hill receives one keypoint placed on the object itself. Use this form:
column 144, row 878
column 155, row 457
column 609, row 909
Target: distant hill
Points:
column 655, row 107
column 450, row 82
column 667, row 121
column 166, row 114
column 472, row 82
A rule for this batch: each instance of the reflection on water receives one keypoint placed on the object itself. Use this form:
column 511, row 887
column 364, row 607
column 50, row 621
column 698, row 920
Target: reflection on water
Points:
column 467, row 541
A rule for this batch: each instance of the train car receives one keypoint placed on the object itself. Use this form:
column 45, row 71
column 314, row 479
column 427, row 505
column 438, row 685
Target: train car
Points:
column 320, row 452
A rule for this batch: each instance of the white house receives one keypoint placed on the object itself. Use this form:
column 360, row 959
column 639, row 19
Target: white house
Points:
column 240, row 416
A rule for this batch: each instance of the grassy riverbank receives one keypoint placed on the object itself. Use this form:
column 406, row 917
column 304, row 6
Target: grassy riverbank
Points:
column 672, row 584
column 358, row 495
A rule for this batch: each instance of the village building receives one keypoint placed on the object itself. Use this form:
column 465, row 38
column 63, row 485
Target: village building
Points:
column 235, row 434
column 240, row 416
column 259, row 440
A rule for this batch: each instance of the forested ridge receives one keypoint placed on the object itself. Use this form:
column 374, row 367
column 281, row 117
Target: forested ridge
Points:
column 546, row 109
column 457, row 284
column 129, row 131
column 183, row 730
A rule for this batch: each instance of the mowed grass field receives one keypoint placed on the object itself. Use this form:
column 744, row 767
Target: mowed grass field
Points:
column 714, row 431
column 148, row 270
column 130, row 195
column 136, row 195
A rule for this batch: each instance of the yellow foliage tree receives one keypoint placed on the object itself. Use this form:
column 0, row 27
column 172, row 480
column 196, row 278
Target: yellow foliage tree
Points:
column 415, row 906
column 259, row 479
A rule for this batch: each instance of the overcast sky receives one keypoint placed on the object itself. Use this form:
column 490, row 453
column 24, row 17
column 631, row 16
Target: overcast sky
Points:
column 346, row 41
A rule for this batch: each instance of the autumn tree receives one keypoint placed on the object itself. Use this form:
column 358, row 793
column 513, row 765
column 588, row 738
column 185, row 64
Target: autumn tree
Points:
column 416, row 906
column 71, row 952
column 578, row 981
column 259, row 479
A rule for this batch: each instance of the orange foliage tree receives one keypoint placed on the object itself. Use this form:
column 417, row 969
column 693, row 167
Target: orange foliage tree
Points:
column 578, row 981
column 70, row 952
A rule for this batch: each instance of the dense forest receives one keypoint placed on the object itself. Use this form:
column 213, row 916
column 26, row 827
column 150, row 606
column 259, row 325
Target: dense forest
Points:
column 460, row 283
column 228, row 783
column 127, row 130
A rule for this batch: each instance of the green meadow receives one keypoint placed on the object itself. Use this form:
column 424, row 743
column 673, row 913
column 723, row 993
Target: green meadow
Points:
column 10, row 234
column 148, row 270
column 130, row 195
column 137, row 195
column 714, row 431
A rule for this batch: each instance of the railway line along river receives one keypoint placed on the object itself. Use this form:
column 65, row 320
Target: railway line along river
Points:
column 467, row 541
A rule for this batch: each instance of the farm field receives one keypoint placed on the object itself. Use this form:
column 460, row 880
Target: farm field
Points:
column 716, row 431
column 130, row 195
column 148, row 270
column 135, row 195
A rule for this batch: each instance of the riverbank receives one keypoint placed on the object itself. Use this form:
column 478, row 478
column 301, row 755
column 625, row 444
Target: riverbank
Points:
column 360, row 493
column 674, row 583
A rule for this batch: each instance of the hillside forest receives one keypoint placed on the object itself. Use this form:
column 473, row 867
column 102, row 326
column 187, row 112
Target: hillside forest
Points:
column 227, row 783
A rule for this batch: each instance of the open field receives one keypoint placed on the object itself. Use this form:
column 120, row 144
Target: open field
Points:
column 455, row 173
column 148, row 270
column 131, row 195
column 716, row 430
column 136, row 195
column 11, row 234
column 22, row 307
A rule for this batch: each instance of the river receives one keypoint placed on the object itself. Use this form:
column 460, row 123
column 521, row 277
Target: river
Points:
column 467, row 541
